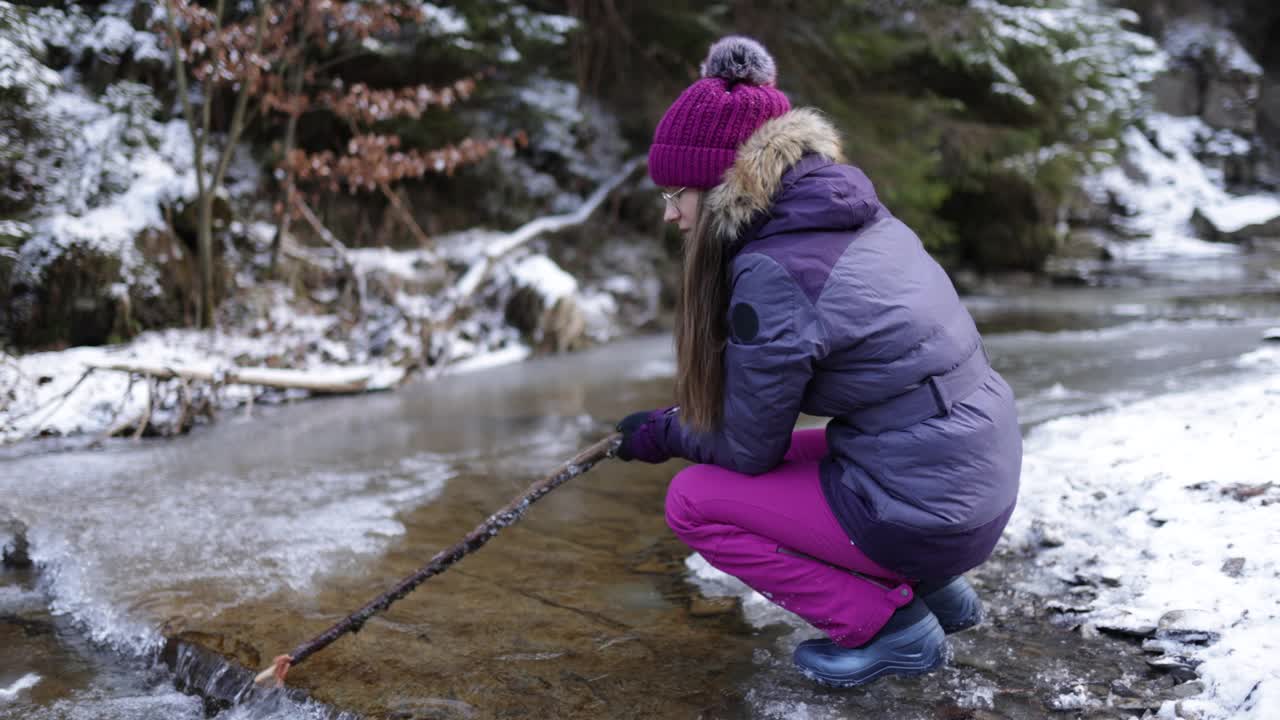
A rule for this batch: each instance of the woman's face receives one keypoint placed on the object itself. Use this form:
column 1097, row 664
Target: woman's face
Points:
column 681, row 207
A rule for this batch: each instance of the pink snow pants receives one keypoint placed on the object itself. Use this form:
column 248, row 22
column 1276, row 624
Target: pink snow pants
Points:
column 776, row 533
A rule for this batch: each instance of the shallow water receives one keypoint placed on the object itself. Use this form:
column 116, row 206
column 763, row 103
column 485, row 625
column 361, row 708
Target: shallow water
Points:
column 250, row 536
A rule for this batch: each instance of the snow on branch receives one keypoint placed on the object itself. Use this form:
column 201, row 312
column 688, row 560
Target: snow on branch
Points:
column 477, row 273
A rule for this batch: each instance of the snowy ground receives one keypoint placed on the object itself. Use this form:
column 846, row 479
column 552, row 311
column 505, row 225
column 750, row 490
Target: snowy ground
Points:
column 1165, row 503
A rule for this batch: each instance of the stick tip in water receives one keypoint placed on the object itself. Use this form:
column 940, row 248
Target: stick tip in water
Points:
column 273, row 676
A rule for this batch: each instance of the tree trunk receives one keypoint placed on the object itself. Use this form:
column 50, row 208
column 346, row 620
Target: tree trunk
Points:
column 204, row 234
column 290, row 138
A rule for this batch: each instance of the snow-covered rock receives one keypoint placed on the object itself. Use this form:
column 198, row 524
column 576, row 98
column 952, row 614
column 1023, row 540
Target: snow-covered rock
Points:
column 1216, row 77
column 13, row 541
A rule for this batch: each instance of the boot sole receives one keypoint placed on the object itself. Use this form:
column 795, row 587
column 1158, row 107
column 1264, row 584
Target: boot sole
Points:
column 906, row 665
column 879, row 671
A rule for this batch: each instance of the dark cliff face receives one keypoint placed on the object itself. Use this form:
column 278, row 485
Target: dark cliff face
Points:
column 1256, row 25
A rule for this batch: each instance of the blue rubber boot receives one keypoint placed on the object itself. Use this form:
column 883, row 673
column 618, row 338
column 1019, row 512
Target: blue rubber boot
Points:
column 953, row 601
column 911, row 644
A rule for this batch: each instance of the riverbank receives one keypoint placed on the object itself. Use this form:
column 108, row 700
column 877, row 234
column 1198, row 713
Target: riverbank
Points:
column 251, row 536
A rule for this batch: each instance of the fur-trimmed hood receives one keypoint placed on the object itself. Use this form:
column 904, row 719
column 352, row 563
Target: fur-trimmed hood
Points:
column 752, row 185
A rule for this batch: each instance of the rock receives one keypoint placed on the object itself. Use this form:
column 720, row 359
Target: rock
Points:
column 1211, row 226
column 1084, row 244
column 1185, row 712
column 524, row 309
column 1047, row 536
column 1124, row 628
column 544, row 306
column 1188, row 689
column 564, row 327
column 1138, row 704
column 1233, row 567
column 1111, row 575
column 1177, row 90
column 1267, row 230
column 1063, row 607
column 701, row 606
column 1242, row 492
column 1229, row 104
column 1178, row 667
column 1119, row 688
column 1269, row 109
column 85, row 295
column 1077, row 699
column 1188, row 626
column 14, row 549
column 1227, row 73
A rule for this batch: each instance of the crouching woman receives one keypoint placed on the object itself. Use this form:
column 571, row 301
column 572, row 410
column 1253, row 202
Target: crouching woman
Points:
column 801, row 292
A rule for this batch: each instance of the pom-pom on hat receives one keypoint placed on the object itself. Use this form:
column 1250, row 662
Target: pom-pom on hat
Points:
column 698, row 137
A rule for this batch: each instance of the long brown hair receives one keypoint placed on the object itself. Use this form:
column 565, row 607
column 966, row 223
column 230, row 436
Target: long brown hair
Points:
column 701, row 332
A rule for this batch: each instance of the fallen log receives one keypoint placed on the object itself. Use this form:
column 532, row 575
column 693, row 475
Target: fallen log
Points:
column 332, row 381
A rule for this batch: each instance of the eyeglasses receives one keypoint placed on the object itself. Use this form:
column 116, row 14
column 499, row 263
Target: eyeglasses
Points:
column 671, row 197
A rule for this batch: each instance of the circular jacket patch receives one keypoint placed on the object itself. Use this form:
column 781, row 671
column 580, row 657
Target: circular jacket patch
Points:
column 744, row 322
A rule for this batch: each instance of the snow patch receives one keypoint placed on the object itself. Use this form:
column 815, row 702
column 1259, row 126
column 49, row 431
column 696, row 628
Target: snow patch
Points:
column 1165, row 185
column 545, row 277
column 505, row 356
column 1178, row 490
column 445, row 20
column 25, row 682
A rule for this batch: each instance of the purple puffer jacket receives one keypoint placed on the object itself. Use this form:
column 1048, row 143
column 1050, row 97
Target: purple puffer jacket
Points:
column 837, row 310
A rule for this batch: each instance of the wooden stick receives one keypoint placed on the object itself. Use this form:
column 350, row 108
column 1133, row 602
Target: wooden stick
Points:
column 474, row 540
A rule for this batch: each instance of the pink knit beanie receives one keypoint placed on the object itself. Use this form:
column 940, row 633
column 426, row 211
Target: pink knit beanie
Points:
column 698, row 138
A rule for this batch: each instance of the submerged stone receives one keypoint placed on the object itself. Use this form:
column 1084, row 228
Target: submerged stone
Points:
column 701, row 606
column 14, row 549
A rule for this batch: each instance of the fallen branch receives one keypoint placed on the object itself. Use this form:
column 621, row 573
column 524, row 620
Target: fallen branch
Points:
column 336, row 381
column 57, row 405
column 477, row 273
column 341, row 250
column 116, row 425
column 406, row 217
column 474, row 540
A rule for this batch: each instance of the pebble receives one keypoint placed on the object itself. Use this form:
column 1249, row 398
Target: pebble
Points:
column 1233, row 567
column 654, row 567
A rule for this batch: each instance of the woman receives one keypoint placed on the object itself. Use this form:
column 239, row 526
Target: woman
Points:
column 802, row 293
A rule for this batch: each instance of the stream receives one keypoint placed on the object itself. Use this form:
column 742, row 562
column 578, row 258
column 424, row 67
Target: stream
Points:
column 156, row 560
